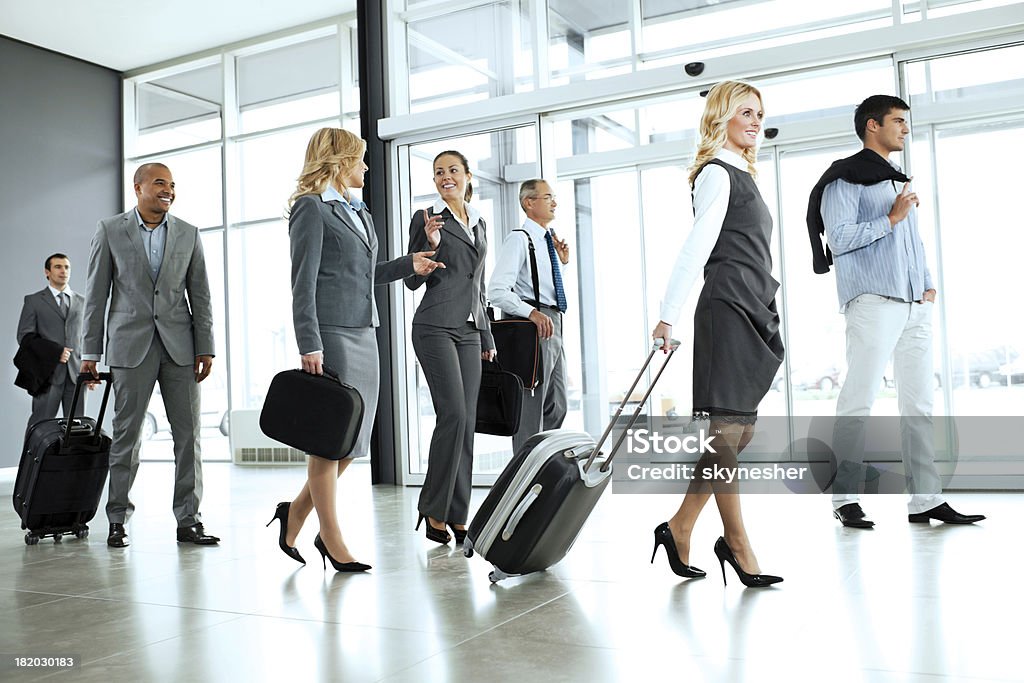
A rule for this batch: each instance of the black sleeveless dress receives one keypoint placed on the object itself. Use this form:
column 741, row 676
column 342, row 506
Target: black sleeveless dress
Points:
column 737, row 346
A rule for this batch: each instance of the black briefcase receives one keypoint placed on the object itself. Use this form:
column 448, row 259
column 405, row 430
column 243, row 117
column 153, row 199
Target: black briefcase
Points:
column 318, row 414
column 518, row 344
column 500, row 402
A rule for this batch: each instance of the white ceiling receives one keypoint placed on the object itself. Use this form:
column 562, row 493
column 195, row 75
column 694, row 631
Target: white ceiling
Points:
column 129, row 34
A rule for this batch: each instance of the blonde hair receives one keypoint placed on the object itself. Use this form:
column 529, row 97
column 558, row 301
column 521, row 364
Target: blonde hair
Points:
column 723, row 101
column 331, row 153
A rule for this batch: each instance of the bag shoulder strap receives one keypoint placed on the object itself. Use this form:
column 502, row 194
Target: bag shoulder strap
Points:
column 533, row 269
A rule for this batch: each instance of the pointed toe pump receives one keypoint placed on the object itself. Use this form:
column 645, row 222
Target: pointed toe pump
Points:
column 281, row 513
column 436, row 535
column 663, row 536
column 725, row 554
column 348, row 567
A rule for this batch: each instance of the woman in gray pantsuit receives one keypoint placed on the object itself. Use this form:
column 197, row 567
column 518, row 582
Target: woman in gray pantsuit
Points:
column 334, row 270
column 450, row 333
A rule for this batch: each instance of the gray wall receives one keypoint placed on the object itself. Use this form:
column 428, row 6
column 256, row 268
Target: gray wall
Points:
column 60, row 171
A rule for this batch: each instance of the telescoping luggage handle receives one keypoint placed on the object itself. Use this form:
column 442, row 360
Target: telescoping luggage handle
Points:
column 84, row 379
column 673, row 345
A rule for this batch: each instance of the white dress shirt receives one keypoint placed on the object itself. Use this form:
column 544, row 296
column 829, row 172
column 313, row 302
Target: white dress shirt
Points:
column 512, row 280
column 56, row 294
column 710, row 204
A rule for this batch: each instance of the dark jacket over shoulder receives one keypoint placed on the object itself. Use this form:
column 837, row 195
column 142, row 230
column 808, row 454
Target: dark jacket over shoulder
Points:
column 458, row 289
column 334, row 269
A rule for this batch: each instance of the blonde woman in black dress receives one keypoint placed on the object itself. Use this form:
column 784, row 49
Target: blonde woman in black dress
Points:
column 737, row 346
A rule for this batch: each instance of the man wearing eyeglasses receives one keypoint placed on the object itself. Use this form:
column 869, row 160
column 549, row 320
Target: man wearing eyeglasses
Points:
column 512, row 290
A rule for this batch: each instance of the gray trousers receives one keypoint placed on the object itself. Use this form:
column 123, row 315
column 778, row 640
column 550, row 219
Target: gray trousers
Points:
column 133, row 388
column 450, row 359
column 545, row 407
column 60, row 395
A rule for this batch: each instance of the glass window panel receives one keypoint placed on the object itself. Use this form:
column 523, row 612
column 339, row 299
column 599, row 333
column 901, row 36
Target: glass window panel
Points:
column 491, row 56
column 177, row 111
column 259, row 284
column 979, row 246
column 269, row 167
column 816, row 353
column 293, row 83
column 945, row 8
column 715, row 29
column 967, row 77
column 197, row 185
column 491, row 155
column 836, row 92
column 583, row 36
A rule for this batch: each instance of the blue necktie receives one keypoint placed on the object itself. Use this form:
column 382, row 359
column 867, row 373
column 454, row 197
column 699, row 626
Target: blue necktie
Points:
column 556, row 273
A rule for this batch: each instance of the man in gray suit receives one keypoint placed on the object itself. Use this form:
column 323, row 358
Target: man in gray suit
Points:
column 55, row 313
column 159, row 329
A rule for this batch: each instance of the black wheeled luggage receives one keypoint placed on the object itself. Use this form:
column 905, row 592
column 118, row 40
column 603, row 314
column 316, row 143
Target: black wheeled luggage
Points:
column 537, row 507
column 62, row 472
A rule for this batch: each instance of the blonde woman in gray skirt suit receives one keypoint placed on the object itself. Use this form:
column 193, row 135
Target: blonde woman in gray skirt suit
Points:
column 334, row 271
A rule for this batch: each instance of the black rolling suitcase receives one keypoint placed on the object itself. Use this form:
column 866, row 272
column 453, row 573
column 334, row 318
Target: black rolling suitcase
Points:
column 62, row 472
column 537, row 507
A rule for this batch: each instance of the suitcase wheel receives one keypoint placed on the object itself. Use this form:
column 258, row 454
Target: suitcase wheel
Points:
column 82, row 533
column 492, row 576
column 57, row 537
column 31, row 539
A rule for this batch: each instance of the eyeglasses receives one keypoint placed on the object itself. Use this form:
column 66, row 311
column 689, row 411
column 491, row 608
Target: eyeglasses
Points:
column 546, row 197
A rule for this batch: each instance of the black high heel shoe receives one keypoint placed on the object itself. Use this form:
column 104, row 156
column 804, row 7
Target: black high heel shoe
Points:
column 663, row 536
column 459, row 534
column 338, row 566
column 725, row 554
column 436, row 535
column 281, row 513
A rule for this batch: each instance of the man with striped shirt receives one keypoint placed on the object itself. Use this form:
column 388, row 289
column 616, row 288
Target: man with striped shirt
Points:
column 886, row 293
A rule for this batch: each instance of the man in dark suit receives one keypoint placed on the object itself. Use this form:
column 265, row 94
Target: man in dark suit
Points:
column 55, row 314
column 150, row 266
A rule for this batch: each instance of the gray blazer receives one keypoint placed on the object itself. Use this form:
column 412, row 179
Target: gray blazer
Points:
column 41, row 315
column 177, row 305
column 335, row 269
column 457, row 289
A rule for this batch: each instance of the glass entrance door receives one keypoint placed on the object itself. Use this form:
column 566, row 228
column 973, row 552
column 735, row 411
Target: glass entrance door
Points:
column 499, row 161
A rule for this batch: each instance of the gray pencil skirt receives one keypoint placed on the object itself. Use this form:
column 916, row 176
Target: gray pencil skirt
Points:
column 352, row 353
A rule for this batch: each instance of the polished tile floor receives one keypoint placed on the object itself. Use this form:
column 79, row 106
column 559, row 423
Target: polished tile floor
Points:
column 899, row 603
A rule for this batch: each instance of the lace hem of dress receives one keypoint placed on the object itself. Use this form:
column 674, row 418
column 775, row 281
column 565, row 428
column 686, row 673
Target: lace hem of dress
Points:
column 726, row 418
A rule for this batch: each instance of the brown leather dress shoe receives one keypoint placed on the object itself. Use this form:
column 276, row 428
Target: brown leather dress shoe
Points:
column 196, row 534
column 118, row 537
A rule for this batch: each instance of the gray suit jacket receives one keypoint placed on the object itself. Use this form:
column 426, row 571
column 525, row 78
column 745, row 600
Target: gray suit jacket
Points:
column 177, row 305
column 457, row 289
column 334, row 269
column 41, row 315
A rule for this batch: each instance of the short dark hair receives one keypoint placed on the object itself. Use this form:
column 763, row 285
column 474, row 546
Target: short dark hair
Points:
column 142, row 171
column 875, row 107
column 53, row 256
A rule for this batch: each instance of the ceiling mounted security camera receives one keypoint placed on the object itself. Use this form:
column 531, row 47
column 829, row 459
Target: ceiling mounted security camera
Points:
column 694, row 68
column 770, row 133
